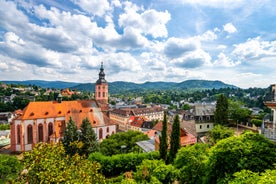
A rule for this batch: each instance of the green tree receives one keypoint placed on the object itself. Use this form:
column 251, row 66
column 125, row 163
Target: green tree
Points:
column 249, row 151
column 9, row 168
column 163, row 149
column 247, row 176
column 155, row 171
column 221, row 112
column 218, row 133
column 48, row 163
column 88, row 137
column 113, row 144
column 20, row 103
column 70, row 138
column 174, row 138
column 237, row 112
column 191, row 162
column 257, row 122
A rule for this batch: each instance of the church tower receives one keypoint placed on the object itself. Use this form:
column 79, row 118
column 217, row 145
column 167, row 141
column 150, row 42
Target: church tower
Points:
column 101, row 87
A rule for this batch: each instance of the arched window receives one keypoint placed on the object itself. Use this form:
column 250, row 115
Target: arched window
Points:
column 100, row 133
column 30, row 134
column 50, row 129
column 107, row 129
column 103, row 94
column 40, row 133
column 18, row 134
column 99, row 94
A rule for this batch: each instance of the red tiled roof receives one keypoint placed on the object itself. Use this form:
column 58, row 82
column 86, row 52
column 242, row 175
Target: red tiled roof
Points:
column 78, row 110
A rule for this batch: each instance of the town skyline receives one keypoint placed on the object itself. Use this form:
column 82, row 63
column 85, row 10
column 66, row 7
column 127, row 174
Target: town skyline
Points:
column 139, row 41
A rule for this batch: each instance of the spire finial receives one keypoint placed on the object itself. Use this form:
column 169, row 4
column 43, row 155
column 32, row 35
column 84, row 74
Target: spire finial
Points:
column 101, row 65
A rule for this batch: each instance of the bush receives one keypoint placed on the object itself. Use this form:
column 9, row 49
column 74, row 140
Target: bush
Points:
column 9, row 168
column 118, row 164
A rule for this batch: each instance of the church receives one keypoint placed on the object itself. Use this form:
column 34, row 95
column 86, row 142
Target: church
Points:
column 46, row 121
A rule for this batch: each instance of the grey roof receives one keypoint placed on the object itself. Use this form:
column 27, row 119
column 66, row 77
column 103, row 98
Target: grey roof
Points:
column 147, row 146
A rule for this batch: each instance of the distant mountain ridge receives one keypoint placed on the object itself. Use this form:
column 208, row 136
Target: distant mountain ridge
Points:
column 120, row 86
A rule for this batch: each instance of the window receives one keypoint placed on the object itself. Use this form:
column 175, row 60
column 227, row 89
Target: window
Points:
column 50, row 129
column 99, row 94
column 100, row 133
column 40, row 133
column 103, row 94
column 18, row 134
column 200, row 126
column 207, row 126
column 30, row 134
column 99, row 87
column 107, row 129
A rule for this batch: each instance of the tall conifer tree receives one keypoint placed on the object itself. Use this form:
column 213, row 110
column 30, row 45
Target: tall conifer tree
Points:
column 221, row 112
column 164, row 139
column 88, row 138
column 175, row 138
column 70, row 135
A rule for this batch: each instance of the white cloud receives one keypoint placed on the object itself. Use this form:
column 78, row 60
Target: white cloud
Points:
column 224, row 61
column 150, row 22
column 254, row 49
column 94, row 7
column 229, row 28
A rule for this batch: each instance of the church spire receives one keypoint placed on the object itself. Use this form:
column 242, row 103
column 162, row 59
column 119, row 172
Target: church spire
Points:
column 101, row 79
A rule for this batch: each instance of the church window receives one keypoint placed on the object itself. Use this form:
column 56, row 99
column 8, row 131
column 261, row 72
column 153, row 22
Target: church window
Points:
column 50, row 129
column 100, row 133
column 18, row 134
column 107, row 129
column 30, row 134
column 40, row 133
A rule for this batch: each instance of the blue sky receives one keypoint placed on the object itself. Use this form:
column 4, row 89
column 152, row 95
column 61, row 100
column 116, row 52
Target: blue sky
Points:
column 141, row 40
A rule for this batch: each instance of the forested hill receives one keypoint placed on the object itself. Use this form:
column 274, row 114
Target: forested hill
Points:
column 118, row 87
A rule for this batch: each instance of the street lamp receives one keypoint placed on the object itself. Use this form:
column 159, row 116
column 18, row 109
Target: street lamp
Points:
column 79, row 134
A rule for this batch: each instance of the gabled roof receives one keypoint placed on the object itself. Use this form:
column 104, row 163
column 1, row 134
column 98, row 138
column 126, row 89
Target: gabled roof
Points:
column 78, row 110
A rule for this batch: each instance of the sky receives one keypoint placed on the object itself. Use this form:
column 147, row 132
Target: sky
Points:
column 233, row 41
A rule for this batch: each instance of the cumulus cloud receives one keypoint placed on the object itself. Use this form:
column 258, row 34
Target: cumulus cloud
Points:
column 229, row 28
column 225, row 61
column 94, row 7
column 176, row 47
column 254, row 49
column 194, row 59
column 149, row 22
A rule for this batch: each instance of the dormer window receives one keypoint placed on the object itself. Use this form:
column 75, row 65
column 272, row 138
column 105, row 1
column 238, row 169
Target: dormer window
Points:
column 59, row 112
column 46, row 113
column 80, row 110
column 31, row 114
column 68, row 112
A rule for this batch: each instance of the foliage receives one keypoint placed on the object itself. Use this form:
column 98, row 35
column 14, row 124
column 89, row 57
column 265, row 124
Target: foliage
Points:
column 247, row 176
column 20, row 103
column 155, row 171
column 174, row 139
column 9, row 168
column 249, row 151
column 163, row 149
column 218, row 133
column 48, row 163
column 88, row 137
column 237, row 112
column 4, row 126
column 221, row 112
column 112, row 145
column 191, row 161
column 70, row 138
column 117, row 164
column 257, row 122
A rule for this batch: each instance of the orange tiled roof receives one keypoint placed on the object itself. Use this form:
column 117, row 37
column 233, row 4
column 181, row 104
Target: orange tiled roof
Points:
column 137, row 121
column 78, row 110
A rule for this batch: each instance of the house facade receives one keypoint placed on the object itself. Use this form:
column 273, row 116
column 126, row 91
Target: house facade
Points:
column 121, row 116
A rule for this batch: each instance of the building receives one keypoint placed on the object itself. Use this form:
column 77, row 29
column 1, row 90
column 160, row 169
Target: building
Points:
column 186, row 138
column 270, row 132
column 121, row 116
column 199, row 119
column 46, row 121
column 101, row 87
